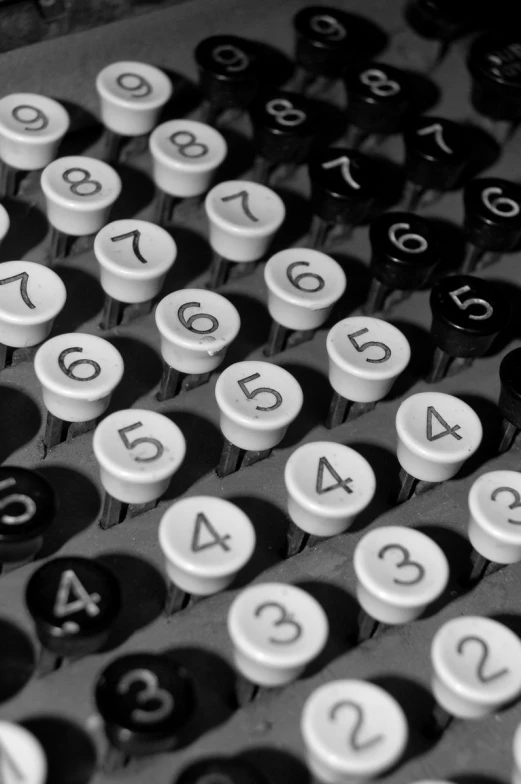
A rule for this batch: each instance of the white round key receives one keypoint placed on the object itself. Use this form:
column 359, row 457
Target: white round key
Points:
column 205, row 541
column 138, row 452
column 366, row 356
column 516, row 748
column 495, row 516
column 196, row 328
column 476, row 666
column 31, row 128
column 352, row 731
column 257, row 403
column 31, row 296
column 22, row 758
column 436, row 434
column 303, row 285
column 328, row 485
column 131, row 97
column 4, row 222
column 185, row 156
column 243, row 218
column 78, row 374
column 134, row 258
column 79, row 193
column 276, row 631
column 399, row 572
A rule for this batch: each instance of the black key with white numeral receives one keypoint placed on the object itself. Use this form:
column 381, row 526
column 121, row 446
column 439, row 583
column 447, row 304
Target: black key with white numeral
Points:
column 74, row 603
column 467, row 314
column 510, row 397
column 492, row 221
column 494, row 63
column 146, row 701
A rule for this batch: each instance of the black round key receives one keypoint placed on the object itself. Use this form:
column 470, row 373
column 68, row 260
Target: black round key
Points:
column 440, row 20
column 27, row 504
column 145, row 701
column 404, row 250
column 510, row 394
column 492, row 213
column 378, row 98
column 494, row 63
column 74, row 602
column 229, row 71
column 325, row 40
column 436, row 152
column 344, row 184
column 221, row 771
column 283, row 127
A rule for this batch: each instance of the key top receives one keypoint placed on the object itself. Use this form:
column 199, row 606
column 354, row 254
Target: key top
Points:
column 206, row 541
column 5, row 222
column 510, row 398
column 22, row 758
column 492, row 221
column 323, row 41
column 494, row 63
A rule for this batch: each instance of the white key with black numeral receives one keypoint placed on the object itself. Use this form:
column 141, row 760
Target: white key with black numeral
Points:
column 399, row 573
column 31, row 296
column 276, row 630
column 206, row 541
column 134, row 258
column 22, row 758
column 196, row 328
column 328, row 485
column 257, row 402
column 303, row 285
column 436, row 433
column 366, row 356
column 185, row 157
column 353, row 731
column 138, row 453
column 5, row 222
column 243, row 217
column 78, row 373
column 79, row 194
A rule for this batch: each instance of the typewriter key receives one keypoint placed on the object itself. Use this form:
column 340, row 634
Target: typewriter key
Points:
column 222, row 770
column 328, row 485
column 492, row 221
column 78, row 374
column 27, row 510
column 467, row 315
column 257, row 402
column 399, row 573
column 31, row 296
column 303, row 285
column 404, row 253
column 438, row 20
column 146, row 701
column 366, row 356
column 74, row 603
column 31, row 128
column 243, row 218
column 134, row 258
column 22, row 759
column 336, row 710
column 510, row 398
column 276, row 630
column 206, row 541
column 131, row 97
column 437, row 433
column 5, row 223
column 325, row 44
column 185, row 156
column 138, row 452
column 196, row 328
column 79, row 194
column 494, row 63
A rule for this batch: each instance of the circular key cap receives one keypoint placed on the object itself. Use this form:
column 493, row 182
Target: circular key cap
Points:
column 510, row 394
column 303, row 285
column 324, row 40
column 229, row 71
column 196, row 328
column 276, row 630
column 492, row 218
column 134, row 258
column 5, row 222
column 494, row 523
column 436, row 434
column 366, row 355
column 22, row 759
column 436, row 152
column 221, row 771
column 404, row 250
column 328, row 485
column 185, row 156
column 257, row 403
column 74, row 603
column 377, row 98
column 131, row 97
column 494, row 63
column 79, row 193
column 205, row 542
column 283, row 127
column 476, row 666
column 243, row 218
column 146, row 700
column 78, row 373
column 31, row 296
column 352, row 731
column 138, row 452
column 27, row 510
column 31, row 128
column 399, row 572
